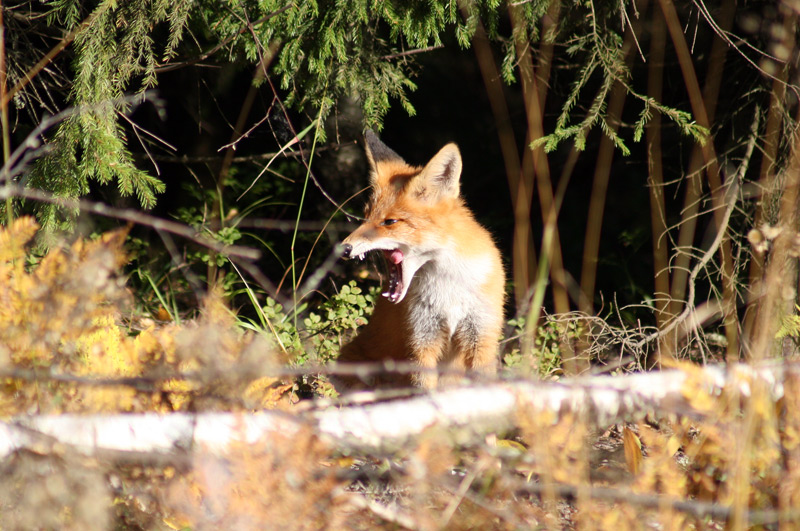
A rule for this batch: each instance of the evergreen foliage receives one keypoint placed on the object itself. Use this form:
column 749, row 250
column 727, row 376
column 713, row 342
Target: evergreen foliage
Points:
column 598, row 47
column 90, row 145
column 323, row 50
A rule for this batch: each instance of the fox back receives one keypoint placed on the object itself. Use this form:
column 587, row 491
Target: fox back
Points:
column 442, row 305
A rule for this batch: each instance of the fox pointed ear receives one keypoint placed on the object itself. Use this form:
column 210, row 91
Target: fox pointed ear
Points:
column 378, row 152
column 441, row 177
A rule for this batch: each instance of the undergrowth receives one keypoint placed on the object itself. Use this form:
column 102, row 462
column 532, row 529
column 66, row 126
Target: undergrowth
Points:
column 67, row 321
column 71, row 343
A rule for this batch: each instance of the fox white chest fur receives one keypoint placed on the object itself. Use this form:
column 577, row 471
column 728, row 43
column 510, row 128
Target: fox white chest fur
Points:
column 445, row 293
column 443, row 300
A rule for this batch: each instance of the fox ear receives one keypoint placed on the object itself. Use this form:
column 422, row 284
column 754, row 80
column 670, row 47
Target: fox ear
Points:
column 441, row 177
column 378, row 152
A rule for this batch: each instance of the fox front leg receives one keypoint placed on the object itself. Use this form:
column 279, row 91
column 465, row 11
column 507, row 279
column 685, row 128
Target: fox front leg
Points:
column 426, row 355
column 476, row 348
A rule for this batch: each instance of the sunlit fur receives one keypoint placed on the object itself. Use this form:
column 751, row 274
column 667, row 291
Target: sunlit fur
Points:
column 449, row 319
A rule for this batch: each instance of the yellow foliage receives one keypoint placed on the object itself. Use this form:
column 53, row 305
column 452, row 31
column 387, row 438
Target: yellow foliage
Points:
column 268, row 393
column 44, row 311
column 62, row 316
column 107, row 352
column 560, row 447
column 277, row 483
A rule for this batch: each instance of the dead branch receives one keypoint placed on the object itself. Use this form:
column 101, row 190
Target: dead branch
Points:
column 389, row 514
column 464, row 414
column 696, row 508
column 133, row 216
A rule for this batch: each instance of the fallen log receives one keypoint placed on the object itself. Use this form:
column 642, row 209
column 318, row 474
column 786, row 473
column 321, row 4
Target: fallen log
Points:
column 464, row 414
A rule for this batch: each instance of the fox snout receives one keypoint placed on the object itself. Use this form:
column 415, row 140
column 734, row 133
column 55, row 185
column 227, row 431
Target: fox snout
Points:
column 346, row 250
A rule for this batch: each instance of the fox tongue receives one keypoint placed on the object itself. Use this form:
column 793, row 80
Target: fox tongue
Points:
column 394, row 259
column 395, row 256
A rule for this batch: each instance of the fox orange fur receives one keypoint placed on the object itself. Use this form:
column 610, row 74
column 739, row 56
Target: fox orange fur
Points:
column 442, row 308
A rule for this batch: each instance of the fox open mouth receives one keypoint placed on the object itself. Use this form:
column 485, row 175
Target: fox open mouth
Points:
column 394, row 263
column 401, row 265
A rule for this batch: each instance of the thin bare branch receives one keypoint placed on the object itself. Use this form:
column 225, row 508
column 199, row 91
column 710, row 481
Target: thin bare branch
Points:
column 730, row 196
column 726, row 36
column 53, row 53
column 133, row 216
column 223, row 43
column 698, row 509
column 412, row 52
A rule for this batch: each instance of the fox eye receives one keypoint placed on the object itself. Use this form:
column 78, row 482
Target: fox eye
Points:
column 387, row 222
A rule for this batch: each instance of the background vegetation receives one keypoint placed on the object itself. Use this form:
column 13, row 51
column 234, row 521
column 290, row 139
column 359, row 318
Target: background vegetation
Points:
column 176, row 176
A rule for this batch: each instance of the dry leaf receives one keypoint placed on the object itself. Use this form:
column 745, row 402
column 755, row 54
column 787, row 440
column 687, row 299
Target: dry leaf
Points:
column 633, row 450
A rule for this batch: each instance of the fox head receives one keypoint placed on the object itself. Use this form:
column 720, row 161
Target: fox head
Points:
column 407, row 212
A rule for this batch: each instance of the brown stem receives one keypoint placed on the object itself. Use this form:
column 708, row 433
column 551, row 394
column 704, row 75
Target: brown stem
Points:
column 658, row 225
column 766, row 181
column 522, row 261
column 602, row 175
column 534, row 161
column 4, row 114
column 597, row 201
column 703, row 105
column 216, row 220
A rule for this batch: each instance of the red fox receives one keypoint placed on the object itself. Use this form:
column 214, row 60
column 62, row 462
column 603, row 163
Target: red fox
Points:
column 442, row 308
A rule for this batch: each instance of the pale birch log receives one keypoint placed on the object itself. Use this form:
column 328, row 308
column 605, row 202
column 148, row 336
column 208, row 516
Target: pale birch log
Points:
column 464, row 414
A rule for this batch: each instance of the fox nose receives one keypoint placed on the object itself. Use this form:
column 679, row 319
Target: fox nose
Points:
column 346, row 250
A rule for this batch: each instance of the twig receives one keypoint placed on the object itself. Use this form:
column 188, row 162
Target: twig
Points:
column 283, row 149
column 383, row 512
column 136, row 128
column 175, row 256
column 225, row 42
column 460, row 493
column 186, row 159
column 725, row 36
column 57, row 49
column 134, row 216
column 412, row 52
column 31, row 146
column 321, row 272
column 285, row 225
column 504, row 514
column 232, row 144
column 626, row 18
column 205, row 159
column 698, row 509
column 306, row 164
column 730, row 197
